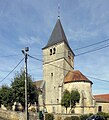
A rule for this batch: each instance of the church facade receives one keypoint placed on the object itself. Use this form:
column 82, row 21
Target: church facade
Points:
column 59, row 75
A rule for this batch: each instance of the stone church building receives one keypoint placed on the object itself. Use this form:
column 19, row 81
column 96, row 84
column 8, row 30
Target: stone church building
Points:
column 59, row 75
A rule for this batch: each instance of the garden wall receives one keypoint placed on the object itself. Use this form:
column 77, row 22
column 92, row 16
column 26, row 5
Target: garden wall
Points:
column 12, row 115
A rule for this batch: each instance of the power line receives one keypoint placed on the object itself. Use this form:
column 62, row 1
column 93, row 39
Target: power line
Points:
column 91, row 45
column 69, row 70
column 64, row 52
column 92, row 50
column 89, row 51
column 12, row 70
column 49, row 64
column 35, row 58
column 98, row 79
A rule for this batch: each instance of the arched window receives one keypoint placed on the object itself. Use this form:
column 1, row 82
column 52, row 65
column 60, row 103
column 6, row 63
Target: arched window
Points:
column 50, row 51
column 54, row 50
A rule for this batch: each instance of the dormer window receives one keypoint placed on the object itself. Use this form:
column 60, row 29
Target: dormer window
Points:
column 54, row 50
column 50, row 51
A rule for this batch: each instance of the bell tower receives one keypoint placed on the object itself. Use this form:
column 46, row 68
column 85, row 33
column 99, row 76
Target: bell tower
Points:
column 58, row 59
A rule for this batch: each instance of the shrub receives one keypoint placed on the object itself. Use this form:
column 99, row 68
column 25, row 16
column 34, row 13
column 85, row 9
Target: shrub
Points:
column 49, row 116
column 75, row 118
column 84, row 117
column 68, row 118
column 105, row 115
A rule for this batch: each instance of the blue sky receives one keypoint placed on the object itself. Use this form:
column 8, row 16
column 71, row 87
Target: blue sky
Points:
column 30, row 23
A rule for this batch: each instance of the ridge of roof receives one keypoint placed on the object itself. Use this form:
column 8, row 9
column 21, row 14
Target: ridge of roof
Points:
column 76, row 76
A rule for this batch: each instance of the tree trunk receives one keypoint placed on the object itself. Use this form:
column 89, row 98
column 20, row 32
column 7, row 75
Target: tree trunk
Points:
column 66, row 110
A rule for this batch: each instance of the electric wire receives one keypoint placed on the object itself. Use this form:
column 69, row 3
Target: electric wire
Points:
column 96, row 49
column 68, row 70
column 49, row 64
column 12, row 70
column 98, row 79
column 91, row 45
column 92, row 50
column 89, row 51
column 73, row 49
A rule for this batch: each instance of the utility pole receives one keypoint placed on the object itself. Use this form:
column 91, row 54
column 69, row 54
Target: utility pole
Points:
column 25, row 52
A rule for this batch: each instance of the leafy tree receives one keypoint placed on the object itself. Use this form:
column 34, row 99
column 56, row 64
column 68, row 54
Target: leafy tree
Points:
column 70, row 99
column 6, row 96
column 66, row 99
column 18, row 88
column 75, row 97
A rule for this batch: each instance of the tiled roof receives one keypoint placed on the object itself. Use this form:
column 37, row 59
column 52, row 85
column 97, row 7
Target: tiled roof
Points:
column 75, row 76
column 102, row 97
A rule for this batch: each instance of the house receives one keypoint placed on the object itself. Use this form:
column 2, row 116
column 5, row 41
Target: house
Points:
column 102, row 102
column 59, row 75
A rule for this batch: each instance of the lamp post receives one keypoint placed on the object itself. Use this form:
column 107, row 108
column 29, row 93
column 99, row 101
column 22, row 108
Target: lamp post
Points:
column 25, row 52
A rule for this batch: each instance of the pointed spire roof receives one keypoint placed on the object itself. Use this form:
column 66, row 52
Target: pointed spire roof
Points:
column 57, row 35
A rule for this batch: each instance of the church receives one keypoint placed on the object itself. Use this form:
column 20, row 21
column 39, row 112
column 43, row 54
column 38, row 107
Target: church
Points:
column 59, row 75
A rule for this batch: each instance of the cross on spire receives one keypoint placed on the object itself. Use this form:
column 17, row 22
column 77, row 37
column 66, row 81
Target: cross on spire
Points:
column 58, row 10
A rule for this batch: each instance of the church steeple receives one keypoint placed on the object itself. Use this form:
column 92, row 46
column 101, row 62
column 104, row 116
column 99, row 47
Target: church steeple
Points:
column 57, row 35
column 56, row 54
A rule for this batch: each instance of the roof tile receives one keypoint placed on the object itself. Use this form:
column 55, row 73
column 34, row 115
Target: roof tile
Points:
column 102, row 97
column 75, row 76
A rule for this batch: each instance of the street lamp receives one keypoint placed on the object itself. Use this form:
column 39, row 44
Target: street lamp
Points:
column 25, row 52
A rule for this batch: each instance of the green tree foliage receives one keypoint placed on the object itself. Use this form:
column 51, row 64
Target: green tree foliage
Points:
column 70, row 99
column 66, row 99
column 75, row 118
column 105, row 115
column 18, row 88
column 6, row 96
column 74, row 97
column 49, row 116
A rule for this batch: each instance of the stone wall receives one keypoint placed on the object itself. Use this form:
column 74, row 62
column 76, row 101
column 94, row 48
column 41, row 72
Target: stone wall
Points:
column 86, row 104
column 11, row 115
